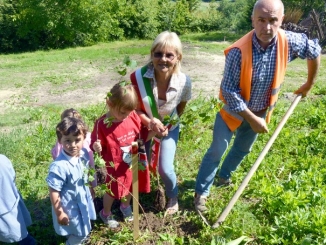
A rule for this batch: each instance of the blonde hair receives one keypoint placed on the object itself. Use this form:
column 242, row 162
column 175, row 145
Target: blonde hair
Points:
column 168, row 39
column 71, row 113
column 123, row 96
column 71, row 125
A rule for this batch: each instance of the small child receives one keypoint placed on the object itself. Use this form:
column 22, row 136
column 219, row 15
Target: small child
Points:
column 58, row 147
column 14, row 216
column 56, row 150
column 72, row 205
column 112, row 136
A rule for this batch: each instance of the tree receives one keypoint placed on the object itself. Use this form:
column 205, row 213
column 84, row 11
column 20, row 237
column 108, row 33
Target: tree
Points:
column 232, row 17
column 304, row 5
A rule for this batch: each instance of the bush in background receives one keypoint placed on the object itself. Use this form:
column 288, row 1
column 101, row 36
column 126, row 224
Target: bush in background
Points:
column 28, row 25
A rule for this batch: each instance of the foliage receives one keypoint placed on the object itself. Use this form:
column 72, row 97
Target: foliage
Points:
column 230, row 13
column 27, row 25
column 138, row 20
column 245, row 19
column 174, row 16
column 207, row 20
column 304, row 5
column 193, row 5
column 284, row 202
column 56, row 24
column 287, row 208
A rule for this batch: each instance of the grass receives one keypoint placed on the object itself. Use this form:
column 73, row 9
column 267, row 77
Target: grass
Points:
column 58, row 66
column 283, row 203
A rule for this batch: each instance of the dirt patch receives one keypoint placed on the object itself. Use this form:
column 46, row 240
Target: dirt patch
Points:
column 205, row 70
column 151, row 222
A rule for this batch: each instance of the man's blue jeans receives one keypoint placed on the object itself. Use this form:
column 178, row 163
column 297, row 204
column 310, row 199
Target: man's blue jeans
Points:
column 243, row 141
column 166, row 161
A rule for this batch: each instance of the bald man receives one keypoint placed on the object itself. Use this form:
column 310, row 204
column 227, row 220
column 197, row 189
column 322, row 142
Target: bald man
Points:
column 254, row 70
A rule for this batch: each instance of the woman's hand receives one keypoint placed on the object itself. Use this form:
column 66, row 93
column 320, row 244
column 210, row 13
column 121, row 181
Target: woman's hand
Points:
column 157, row 126
column 164, row 133
column 97, row 146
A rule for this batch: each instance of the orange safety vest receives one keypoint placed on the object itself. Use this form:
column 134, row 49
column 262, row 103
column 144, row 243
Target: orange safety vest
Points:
column 232, row 119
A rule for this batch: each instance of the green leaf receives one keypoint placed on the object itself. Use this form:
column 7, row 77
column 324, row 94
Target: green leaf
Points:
column 126, row 60
column 123, row 71
column 133, row 64
column 240, row 240
column 98, row 160
column 141, row 166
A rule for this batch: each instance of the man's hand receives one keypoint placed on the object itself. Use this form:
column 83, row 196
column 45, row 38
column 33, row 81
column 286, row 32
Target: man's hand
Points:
column 259, row 125
column 313, row 66
column 304, row 89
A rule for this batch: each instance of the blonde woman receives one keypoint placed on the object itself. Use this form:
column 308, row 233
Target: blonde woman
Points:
column 163, row 90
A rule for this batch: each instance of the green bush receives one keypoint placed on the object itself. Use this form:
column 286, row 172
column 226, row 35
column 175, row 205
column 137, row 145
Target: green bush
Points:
column 207, row 20
column 27, row 25
column 138, row 20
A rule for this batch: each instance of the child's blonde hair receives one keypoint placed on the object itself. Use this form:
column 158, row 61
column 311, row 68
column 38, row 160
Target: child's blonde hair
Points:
column 71, row 113
column 71, row 125
column 123, row 96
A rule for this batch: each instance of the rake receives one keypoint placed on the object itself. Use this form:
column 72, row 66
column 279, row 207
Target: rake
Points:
column 254, row 167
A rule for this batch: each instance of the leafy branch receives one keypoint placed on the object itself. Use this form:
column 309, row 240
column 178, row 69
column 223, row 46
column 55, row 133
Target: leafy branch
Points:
column 100, row 165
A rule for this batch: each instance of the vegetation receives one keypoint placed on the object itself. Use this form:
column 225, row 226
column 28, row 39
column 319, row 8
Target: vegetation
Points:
column 283, row 203
column 29, row 25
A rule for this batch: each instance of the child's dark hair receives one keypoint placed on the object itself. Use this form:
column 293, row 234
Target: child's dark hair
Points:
column 71, row 125
column 123, row 96
column 70, row 113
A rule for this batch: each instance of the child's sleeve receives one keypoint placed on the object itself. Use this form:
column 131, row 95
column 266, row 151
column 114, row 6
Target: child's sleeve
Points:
column 56, row 177
column 56, row 150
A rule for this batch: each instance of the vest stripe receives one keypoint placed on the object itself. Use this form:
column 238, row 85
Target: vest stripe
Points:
column 245, row 46
column 276, row 90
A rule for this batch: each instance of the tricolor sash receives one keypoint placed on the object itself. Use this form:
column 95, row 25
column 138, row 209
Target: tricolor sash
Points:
column 147, row 103
column 144, row 92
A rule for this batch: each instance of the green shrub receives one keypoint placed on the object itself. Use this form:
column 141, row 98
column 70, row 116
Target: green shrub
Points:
column 138, row 20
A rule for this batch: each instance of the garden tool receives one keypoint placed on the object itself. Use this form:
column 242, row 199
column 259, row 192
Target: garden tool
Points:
column 135, row 195
column 255, row 166
column 257, row 163
column 160, row 199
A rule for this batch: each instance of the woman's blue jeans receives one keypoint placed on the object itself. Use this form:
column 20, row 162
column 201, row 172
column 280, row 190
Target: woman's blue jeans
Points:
column 166, row 160
column 243, row 141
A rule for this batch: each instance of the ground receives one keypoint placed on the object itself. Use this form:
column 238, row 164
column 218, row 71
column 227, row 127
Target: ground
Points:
column 151, row 222
column 204, row 69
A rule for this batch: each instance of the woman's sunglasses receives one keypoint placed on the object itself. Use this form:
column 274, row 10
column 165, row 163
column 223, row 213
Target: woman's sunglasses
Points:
column 160, row 55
